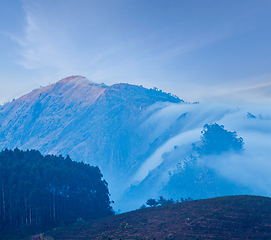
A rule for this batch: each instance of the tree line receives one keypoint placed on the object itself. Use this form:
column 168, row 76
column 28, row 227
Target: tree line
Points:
column 40, row 192
column 151, row 202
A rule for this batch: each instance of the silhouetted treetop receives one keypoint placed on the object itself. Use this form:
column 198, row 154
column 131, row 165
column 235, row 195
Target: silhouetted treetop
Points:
column 215, row 140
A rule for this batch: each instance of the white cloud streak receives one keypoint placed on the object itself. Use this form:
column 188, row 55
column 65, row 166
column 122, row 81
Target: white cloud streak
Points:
column 251, row 168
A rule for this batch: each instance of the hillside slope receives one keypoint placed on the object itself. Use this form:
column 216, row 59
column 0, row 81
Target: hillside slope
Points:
column 235, row 217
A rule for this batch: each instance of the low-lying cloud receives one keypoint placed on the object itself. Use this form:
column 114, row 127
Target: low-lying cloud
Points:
column 250, row 168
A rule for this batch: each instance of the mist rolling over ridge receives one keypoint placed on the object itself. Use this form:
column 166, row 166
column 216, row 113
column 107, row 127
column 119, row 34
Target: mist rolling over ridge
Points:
column 141, row 139
column 248, row 169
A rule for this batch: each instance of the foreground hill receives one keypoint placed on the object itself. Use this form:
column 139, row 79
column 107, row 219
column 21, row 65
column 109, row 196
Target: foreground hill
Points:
column 235, row 217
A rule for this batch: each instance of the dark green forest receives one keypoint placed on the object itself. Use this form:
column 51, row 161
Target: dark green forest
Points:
column 42, row 192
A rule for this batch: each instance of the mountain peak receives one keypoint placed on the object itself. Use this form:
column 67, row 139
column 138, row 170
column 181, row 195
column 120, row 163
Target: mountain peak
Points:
column 76, row 79
column 79, row 80
column 72, row 78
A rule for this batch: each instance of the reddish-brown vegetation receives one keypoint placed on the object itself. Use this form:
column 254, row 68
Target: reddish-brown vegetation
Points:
column 234, row 217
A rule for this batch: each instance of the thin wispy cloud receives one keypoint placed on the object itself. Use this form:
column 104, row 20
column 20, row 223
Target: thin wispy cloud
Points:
column 37, row 48
column 255, row 90
column 196, row 43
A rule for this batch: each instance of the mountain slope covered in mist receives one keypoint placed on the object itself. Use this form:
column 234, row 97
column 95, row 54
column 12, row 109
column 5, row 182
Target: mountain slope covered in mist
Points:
column 92, row 123
column 140, row 138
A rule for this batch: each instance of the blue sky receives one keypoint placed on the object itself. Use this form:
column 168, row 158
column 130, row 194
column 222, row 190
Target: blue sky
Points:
column 211, row 50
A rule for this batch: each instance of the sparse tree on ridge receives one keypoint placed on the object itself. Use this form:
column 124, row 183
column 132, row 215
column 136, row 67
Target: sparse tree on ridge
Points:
column 152, row 202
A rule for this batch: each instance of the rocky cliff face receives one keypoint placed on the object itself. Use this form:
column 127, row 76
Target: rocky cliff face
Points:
column 138, row 137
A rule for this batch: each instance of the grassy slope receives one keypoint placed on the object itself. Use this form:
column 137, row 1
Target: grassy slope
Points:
column 234, row 217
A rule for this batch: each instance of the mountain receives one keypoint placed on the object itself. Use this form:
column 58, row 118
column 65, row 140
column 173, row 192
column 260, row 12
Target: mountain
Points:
column 140, row 139
column 91, row 122
column 235, row 217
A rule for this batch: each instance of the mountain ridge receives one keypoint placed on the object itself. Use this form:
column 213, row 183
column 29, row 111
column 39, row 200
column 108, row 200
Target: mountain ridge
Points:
column 124, row 128
column 77, row 116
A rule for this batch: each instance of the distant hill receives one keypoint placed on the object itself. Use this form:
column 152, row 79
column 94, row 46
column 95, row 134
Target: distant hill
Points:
column 140, row 139
column 235, row 217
